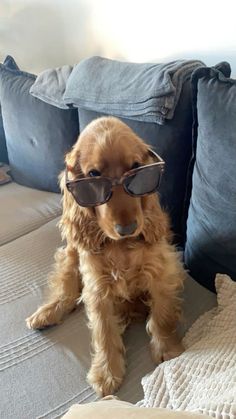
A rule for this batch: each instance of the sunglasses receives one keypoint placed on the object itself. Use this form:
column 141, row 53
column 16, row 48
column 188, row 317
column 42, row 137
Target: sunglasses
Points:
column 97, row 190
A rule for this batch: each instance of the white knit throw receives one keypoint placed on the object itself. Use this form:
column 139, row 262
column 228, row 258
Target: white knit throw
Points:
column 203, row 378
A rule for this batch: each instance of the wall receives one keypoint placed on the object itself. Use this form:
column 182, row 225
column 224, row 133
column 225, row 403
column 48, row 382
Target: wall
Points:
column 48, row 33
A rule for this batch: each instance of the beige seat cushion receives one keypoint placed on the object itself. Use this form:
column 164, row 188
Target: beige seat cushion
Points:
column 44, row 373
column 117, row 409
column 23, row 210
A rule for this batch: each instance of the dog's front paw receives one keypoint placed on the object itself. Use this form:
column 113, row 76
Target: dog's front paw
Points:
column 105, row 381
column 173, row 351
column 165, row 350
column 156, row 351
column 46, row 315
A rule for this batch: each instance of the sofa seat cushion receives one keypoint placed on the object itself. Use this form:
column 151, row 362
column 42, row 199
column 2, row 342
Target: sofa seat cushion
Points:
column 45, row 372
column 117, row 409
column 24, row 209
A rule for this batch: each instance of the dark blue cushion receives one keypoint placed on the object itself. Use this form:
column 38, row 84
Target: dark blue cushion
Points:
column 37, row 134
column 173, row 142
column 3, row 147
column 9, row 63
column 211, row 226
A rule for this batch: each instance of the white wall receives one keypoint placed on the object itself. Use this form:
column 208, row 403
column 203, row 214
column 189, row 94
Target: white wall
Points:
column 48, row 33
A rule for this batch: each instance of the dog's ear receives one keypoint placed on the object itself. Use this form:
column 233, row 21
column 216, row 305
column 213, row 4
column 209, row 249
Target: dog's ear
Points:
column 156, row 221
column 72, row 160
column 78, row 225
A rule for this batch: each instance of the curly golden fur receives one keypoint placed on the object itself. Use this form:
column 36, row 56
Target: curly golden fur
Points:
column 117, row 278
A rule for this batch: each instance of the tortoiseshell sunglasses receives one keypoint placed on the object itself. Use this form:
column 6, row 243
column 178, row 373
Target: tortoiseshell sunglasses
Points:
column 94, row 191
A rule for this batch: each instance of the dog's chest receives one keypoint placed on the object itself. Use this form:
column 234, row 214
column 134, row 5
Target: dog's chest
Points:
column 126, row 269
column 121, row 269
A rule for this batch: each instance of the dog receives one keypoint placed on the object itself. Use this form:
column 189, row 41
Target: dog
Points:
column 118, row 258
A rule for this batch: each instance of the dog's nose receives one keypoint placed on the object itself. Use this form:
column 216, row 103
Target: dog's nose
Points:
column 127, row 229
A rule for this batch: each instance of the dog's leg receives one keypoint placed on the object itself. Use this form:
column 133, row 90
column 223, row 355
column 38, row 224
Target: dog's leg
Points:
column 65, row 288
column 108, row 365
column 161, row 325
column 165, row 306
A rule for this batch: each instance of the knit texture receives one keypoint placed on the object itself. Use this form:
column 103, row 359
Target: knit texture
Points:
column 203, row 378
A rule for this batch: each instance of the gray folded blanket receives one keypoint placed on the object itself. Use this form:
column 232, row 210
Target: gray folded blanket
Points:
column 144, row 92
column 50, row 85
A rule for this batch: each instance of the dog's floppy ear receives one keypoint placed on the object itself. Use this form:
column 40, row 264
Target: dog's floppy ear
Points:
column 156, row 221
column 78, row 225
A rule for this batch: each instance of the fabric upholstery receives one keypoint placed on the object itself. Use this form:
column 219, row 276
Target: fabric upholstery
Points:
column 3, row 147
column 9, row 62
column 24, row 209
column 44, row 373
column 117, row 409
column 51, row 365
column 37, row 134
column 211, row 227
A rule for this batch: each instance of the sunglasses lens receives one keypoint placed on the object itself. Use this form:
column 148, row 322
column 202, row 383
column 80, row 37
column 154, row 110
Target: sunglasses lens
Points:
column 90, row 192
column 144, row 181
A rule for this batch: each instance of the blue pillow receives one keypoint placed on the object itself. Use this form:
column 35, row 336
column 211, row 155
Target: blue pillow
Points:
column 173, row 141
column 211, row 225
column 37, row 134
column 9, row 63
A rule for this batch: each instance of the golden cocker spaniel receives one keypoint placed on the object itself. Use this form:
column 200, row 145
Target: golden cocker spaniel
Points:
column 118, row 258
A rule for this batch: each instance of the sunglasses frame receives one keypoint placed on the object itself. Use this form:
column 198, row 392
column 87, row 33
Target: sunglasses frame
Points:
column 115, row 182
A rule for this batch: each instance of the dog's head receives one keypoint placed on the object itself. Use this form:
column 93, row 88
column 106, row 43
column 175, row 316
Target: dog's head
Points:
column 109, row 148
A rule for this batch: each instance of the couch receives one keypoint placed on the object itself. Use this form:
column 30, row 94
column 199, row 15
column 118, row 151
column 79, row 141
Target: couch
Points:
column 43, row 373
